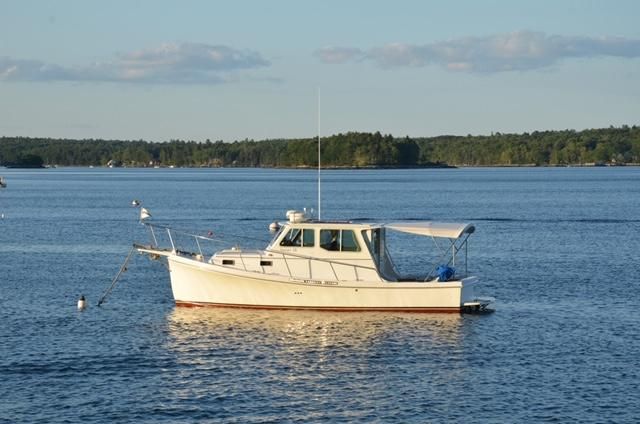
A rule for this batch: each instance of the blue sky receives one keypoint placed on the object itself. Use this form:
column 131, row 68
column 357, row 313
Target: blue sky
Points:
column 197, row 70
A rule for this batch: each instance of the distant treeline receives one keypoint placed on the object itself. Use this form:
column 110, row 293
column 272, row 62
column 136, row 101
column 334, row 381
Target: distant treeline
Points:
column 354, row 149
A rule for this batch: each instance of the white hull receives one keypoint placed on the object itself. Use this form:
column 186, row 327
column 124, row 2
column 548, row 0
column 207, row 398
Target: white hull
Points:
column 197, row 283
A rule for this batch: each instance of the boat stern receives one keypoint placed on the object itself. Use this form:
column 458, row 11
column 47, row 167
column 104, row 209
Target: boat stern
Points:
column 470, row 301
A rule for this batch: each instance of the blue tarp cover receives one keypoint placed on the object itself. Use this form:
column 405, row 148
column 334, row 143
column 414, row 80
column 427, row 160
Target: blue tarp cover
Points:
column 445, row 273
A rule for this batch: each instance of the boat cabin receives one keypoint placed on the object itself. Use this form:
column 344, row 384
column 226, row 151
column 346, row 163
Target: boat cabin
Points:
column 344, row 250
column 331, row 252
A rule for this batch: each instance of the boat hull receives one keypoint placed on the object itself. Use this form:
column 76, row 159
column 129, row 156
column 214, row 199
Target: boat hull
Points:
column 196, row 283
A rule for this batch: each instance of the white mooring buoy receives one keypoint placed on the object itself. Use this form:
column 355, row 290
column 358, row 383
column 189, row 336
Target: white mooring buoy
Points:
column 82, row 303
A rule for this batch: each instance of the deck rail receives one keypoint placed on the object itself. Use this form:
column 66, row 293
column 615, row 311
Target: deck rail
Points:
column 158, row 232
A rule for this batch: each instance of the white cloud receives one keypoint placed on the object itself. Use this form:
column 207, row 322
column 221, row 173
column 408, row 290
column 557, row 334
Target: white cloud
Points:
column 336, row 55
column 171, row 63
column 521, row 50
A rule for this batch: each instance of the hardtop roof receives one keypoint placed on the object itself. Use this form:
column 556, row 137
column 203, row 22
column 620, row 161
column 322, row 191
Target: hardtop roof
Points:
column 451, row 230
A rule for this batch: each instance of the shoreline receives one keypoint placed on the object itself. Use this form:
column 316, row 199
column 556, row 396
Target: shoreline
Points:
column 332, row 168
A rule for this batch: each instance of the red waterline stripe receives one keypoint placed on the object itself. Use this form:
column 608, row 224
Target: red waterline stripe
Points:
column 313, row 308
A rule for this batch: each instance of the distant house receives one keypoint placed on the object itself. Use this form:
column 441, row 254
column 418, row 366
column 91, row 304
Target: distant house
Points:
column 114, row 163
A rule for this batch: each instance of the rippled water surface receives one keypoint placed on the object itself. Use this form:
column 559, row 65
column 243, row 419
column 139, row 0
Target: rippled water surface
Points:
column 558, row 248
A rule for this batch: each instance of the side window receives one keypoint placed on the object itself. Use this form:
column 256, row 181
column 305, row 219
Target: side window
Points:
column 292, row 238
column 349, row 242
column 330, row 239
column 339, row 240
column 308, row 238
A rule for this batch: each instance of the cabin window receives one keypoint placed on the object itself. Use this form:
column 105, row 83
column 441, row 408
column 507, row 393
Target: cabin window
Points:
column 292, row 238
column 349, row 242
column 330, row 239
column 266, row 263
column 299, row 237
column 339, row 240
column 228, row 262
column 308, row 238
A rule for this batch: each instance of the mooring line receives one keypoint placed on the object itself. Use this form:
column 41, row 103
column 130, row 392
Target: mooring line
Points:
column 123, row 268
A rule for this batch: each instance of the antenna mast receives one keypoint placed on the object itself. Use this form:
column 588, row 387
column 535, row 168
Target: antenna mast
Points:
column 319, row 193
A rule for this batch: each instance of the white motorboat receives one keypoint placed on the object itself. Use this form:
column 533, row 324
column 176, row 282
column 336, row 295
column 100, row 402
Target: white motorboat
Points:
column 321, row 265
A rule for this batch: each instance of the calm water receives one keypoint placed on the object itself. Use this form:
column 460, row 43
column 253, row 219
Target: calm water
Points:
column 558, row 248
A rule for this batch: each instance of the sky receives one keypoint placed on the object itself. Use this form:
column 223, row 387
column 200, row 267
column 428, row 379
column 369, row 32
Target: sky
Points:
column 235, row 70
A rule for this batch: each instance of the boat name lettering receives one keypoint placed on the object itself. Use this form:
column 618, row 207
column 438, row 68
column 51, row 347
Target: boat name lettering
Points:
column 325, row 283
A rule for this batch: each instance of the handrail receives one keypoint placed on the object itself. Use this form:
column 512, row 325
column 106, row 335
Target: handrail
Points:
column 335, row 274
column 331, row 263
column 165, row 227
column 287, row 265
column 211, row 239
column 242, row 260
column 198, row 236
column 286, row 256
column 321, row 259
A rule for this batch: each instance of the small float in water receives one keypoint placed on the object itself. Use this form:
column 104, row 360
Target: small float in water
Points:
column 82, row 303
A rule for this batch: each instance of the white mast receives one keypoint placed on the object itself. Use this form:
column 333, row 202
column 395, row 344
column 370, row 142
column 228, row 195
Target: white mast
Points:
column 319, row 196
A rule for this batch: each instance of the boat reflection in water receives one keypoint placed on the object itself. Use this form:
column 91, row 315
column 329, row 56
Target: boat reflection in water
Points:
column 307, row 330
column 285, row 340
column 306, row 365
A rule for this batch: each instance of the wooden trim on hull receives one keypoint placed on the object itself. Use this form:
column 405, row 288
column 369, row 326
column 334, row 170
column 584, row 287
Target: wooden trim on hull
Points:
column 317, row 308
